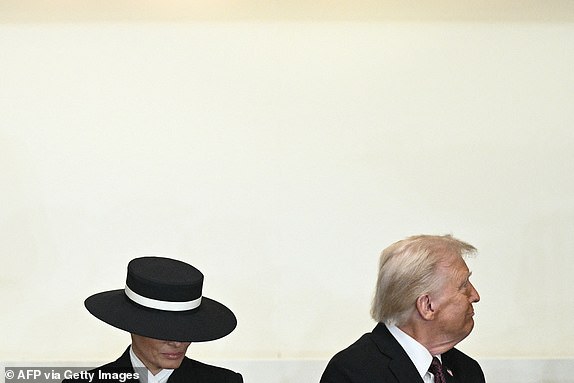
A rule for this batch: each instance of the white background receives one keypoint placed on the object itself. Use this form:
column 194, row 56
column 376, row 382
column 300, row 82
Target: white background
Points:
column 280, row 157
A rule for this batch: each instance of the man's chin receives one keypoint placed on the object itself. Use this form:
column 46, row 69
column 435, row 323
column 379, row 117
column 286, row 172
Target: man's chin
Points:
column 469, row 328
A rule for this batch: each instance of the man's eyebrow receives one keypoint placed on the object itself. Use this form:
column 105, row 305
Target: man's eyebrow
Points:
column 464, row 280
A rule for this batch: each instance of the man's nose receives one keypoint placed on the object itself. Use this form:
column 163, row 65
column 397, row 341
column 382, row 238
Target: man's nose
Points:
column 474, row 296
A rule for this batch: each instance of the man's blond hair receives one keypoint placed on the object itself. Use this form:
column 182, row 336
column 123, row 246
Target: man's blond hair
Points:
column 407, row 271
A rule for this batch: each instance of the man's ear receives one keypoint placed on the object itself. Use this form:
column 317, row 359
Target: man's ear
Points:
column 425, row 307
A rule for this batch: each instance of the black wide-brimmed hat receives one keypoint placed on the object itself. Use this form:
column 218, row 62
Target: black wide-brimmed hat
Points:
column 163, row 300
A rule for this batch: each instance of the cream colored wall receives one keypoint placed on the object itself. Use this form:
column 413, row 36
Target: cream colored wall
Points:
column 280, row 157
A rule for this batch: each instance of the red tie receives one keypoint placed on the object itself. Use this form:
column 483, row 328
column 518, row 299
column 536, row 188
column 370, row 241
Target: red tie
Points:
column 436, row 369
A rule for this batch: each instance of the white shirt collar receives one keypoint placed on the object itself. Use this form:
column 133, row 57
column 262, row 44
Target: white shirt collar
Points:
column 419, row 355
column 161, row 377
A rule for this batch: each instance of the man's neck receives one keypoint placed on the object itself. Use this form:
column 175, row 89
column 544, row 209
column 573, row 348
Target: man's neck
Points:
column 427, row 337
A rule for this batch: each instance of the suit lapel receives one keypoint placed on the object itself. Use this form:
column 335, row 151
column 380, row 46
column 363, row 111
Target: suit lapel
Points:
column 178, row 376
column 450, row 378
column 121, row 365
column 448, row 366
column 187, row 371
column 405, row 371
column 124, row 360
column 400, row 364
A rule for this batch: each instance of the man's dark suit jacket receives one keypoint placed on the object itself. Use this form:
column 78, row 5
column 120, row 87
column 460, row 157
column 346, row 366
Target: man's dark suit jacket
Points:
column 377, row 357
column 189, row 371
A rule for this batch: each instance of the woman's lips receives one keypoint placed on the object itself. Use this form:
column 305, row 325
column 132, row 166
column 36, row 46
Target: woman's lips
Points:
column 172, row 355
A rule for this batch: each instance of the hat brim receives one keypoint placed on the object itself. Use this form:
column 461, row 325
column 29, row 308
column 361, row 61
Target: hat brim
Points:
column 211, row 320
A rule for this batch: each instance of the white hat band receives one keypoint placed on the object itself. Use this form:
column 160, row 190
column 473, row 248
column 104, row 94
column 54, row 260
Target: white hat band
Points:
column 162, row 305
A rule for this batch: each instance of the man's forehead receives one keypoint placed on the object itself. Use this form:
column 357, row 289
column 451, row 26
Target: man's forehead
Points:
column 455, row 265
